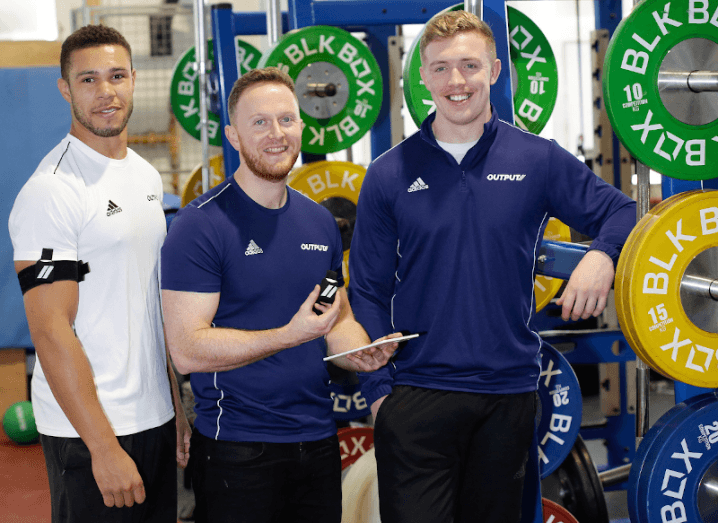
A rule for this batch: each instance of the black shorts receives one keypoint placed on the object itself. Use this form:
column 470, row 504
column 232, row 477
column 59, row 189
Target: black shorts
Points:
column 76, row 498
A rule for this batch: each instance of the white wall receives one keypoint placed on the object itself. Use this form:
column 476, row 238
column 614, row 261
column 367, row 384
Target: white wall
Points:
column 568, row 35
column 65, row 7
column 28, row 20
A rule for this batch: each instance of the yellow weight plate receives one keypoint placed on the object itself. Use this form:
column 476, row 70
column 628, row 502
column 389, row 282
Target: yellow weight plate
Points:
column 335, row 185
column 193, row 186
column 626, row 261
column 546, row 287
column 656, row 212
column 676, row 329
column 653, row 215
column 624, row 268
column 642, row 229
column 298, row 172
column 622, row 283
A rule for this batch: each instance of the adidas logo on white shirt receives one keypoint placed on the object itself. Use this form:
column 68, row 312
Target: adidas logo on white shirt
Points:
column 112, row 208
column 253, row 248
column 418, row 185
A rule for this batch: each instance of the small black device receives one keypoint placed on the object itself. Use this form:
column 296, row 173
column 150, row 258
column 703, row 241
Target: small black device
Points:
column 328, row 290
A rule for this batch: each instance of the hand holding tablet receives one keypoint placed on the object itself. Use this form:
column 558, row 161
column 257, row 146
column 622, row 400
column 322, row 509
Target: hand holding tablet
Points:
column 375, row 344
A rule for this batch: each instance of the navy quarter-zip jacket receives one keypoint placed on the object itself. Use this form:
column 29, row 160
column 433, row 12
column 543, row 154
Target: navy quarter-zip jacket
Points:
column 455, row 256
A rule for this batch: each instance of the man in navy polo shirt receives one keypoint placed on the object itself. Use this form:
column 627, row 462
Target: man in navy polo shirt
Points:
column 240, row 272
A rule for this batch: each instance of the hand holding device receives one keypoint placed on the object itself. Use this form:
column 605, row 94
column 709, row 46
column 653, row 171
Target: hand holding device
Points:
column 328, row 290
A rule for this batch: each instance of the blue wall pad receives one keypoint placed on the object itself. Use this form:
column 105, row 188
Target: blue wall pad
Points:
column 34, row 118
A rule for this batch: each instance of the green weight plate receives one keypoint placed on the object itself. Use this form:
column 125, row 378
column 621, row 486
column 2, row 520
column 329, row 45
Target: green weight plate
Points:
column 535, row 75
column 674, row 131
column 338, row 83
column 184, row 89
column 417, row 96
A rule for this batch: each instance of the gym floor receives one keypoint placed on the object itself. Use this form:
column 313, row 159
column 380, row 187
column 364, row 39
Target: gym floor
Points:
column 25, row 497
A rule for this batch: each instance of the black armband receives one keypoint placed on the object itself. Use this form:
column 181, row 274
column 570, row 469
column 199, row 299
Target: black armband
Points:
column 48, row 271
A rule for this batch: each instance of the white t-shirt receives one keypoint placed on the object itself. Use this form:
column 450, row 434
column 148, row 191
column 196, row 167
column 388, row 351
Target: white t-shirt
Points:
column 457, row 150
column 108, row 213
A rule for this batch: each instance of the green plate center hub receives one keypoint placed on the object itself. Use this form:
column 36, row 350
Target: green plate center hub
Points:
column 322, row 90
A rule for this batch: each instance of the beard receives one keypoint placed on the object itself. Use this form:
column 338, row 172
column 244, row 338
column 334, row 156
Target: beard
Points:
column 103, row 133
column 261, row 169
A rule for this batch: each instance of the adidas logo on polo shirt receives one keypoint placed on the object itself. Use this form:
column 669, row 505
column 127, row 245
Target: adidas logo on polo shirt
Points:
column 418, row 185
column 253, row 248
column 113, row 208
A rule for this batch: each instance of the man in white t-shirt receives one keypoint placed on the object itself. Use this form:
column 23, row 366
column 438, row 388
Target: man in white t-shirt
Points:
column 103, row 389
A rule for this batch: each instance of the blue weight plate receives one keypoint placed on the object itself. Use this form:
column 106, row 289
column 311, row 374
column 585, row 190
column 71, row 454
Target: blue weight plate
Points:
column 675, row 473
column 650, row 445
column 641, row 460
column 349, row 404
column 559, row 411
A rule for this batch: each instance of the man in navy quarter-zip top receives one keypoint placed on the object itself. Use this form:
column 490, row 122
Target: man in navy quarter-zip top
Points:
column 449, row 225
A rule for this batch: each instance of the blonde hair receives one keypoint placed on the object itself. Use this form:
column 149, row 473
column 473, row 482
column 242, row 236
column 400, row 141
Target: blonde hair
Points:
column 449, row 24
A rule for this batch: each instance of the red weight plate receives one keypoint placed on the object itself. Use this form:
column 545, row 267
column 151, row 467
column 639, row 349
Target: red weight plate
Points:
column 354, row 442
column 555, row 513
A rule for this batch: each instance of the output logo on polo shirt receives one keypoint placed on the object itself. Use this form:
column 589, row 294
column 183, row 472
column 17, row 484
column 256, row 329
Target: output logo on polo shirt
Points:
column 314, row 247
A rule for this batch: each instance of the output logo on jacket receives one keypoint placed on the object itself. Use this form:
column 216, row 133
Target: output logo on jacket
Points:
column 505, row 177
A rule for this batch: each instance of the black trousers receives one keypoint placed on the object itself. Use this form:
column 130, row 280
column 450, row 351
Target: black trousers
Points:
column 452, row 457
column 255, row 482
column 76, row 498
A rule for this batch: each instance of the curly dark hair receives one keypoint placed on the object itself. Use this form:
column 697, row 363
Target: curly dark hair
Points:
column 270, row 75
column 90, row 36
